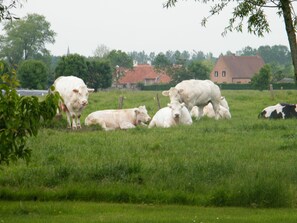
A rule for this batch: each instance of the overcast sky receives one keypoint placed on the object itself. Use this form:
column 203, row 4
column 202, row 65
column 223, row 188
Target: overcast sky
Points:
column 144, row 25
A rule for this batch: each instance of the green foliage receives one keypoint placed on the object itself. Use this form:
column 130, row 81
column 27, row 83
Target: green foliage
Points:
column 26, row 38
column 5, row 10
column 73, row 64
column 161, row 61
column 99, row 74
column 8, row 75
column 20, row 118
column 33, row 74
column 261, row 80
column 120, row 59
column 194, row 70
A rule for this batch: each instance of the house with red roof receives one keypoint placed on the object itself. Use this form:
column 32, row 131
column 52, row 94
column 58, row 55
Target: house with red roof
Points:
column 236, row 69
column 142, row 73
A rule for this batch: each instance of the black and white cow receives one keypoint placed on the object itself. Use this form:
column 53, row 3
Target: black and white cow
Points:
column 279, row 111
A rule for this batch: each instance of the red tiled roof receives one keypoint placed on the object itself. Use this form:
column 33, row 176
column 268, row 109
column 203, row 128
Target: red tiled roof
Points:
column 143, row 72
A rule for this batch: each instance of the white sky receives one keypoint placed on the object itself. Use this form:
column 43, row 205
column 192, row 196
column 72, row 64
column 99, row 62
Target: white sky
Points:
column 137, row 25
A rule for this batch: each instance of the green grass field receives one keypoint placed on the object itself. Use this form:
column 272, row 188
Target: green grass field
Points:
column 242, row 162
column 37, row 212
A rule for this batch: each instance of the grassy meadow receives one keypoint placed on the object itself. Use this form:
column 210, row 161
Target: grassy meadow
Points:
column 74, row 212
column 242, row 162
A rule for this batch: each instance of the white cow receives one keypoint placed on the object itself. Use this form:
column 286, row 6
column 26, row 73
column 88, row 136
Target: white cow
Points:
column 118, row 118
column 74, row 93
column 224, row 112
column 196, row 92
column 175, row 113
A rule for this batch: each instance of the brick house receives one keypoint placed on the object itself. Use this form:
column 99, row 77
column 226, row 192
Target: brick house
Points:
column 142, row 73
column 236, row 69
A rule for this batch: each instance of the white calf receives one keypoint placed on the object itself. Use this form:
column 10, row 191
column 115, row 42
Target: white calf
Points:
column 172, row 115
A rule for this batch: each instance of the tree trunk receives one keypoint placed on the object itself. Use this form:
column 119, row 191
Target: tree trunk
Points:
column 287, row 14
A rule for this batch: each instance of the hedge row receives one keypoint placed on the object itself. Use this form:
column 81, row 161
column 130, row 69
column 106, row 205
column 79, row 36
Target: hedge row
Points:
column 276, row 86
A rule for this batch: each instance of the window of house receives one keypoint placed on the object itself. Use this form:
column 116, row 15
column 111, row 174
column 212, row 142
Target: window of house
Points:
column 216, row 73
column 223, row 73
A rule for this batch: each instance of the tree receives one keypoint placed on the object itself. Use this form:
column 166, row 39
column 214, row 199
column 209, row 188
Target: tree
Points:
column 33, row 74
column 261, row 80
column 248, row 51
column 26, row 38
column 195, row 70
column 275, row 54
column 8, row 75
column 72, row 64
column 257, row 22
column 119, row 58
column 21, row 117
column 198, row 70
column 161, row 61
column 101, row 51
column 5, row 9
column 99, row 74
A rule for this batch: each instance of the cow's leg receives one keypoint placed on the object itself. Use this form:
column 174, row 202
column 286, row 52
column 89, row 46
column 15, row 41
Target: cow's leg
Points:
column 216, row 108
column 68, row 119
column 200, row 112
column 78, row 121
column 126, row 125
column 73, row 116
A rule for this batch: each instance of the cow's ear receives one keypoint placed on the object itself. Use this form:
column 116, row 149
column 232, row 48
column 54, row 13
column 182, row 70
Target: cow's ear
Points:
column 91, row 90
column 136, row 111
column 169, row 105
column 165, row 93
column 75, row 90
column 180, row 91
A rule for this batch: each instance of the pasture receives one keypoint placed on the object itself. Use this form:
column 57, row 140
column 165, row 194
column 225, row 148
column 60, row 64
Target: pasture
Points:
column 243, row 162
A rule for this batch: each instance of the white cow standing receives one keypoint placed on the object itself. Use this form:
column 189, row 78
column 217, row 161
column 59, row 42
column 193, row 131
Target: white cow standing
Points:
column 224, row 112
column 196, row 92
column 118, row 118
column 175, row 113
column 74, row 93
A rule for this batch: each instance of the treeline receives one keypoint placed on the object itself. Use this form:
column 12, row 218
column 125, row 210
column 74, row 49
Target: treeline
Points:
column 23, row 51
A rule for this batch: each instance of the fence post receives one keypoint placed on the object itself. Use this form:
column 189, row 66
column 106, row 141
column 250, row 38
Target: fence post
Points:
column 158, row 101
column 271, row 91
column 121, row 101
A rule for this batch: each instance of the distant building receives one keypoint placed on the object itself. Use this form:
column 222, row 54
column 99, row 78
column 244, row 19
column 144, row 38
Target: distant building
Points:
column 142, row 73
column 236, row 69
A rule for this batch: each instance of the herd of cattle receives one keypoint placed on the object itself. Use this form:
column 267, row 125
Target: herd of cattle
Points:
column 188, row 99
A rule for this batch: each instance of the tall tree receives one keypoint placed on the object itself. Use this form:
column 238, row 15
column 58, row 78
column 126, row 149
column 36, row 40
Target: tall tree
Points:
column 72, row 64
column 120, row 58
column 101, row 51
column 261, row 80
column 99, row 74
column 26, row 38
column 253, row 11
column 33, row 74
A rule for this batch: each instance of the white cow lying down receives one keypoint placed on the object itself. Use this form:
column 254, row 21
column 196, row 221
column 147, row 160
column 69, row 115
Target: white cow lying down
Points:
column 175, row 113
column 196, row 93
column 118, row 118
column 224, row 112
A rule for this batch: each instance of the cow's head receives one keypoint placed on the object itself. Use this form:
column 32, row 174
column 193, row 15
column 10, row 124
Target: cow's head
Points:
column 176, row 110
column 142, row 116
column 224, row 102
column 81, row 95
column 174, row 94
